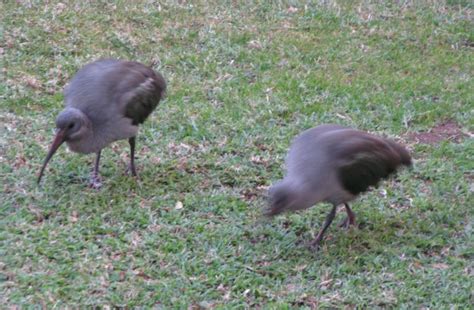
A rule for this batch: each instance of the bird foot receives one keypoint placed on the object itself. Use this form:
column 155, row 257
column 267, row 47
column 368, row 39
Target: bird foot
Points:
column 95, row 181
column 131, row 171
column 315, row 245
column 347, row 223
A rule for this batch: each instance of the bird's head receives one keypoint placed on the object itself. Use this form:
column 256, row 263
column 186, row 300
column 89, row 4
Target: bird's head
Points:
column 71, row 125
column 281, row 198
column 290, row 195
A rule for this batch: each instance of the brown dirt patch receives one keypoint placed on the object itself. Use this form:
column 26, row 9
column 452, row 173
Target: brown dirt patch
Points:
column 448, row 130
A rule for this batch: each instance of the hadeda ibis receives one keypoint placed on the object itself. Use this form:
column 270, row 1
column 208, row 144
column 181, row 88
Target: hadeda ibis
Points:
column 333, row 164
column 106, row 101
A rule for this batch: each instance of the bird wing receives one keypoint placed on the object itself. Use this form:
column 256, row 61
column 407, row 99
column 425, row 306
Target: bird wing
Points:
column 145, row 90
column 100, row 86
column 364, row 160
column 305, row 143
column 314, row 133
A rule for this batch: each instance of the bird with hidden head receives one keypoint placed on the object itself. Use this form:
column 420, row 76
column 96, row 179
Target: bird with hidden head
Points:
column 333, row 164
column 106, row 101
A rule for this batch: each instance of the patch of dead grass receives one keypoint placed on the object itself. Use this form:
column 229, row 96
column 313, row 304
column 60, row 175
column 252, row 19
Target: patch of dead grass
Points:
column 445, row 131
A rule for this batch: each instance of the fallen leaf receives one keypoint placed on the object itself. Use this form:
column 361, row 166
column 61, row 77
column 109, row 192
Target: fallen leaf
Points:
column 178, row 205
column 73, row 218
column 32, row 82
column 300, row 267
column 292, row 9
column 254, row 44
column 59, row 8
column 441, row 266
column 141, row 274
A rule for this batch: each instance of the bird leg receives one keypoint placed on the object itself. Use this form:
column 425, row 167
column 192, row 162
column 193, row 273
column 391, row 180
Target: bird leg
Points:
column 95, row 181
column 133, row 171
column 350, row 219
column 315, row 243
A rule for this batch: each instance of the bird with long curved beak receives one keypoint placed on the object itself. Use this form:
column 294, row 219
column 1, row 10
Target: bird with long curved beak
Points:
column 58, row 140
column 334, row 164
column 105, row 102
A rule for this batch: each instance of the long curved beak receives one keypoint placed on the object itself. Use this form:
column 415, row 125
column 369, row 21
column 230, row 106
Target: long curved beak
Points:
column 58, row 140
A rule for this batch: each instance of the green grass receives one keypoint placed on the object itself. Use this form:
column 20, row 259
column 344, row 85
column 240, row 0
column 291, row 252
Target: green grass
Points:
column 243, row 79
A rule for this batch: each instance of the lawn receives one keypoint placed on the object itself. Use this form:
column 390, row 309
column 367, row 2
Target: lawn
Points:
column 243, row 78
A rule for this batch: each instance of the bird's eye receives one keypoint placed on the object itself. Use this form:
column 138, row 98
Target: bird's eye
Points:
column 70, row 126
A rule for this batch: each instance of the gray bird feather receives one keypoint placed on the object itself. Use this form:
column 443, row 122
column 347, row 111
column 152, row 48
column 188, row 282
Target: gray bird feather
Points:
column 332, row 163
column 116, row 96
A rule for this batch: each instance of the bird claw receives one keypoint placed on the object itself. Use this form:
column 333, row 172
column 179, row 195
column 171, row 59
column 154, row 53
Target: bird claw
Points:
column 346, row 223
column 95, row 182
column 314, row 245
column 131, row 171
